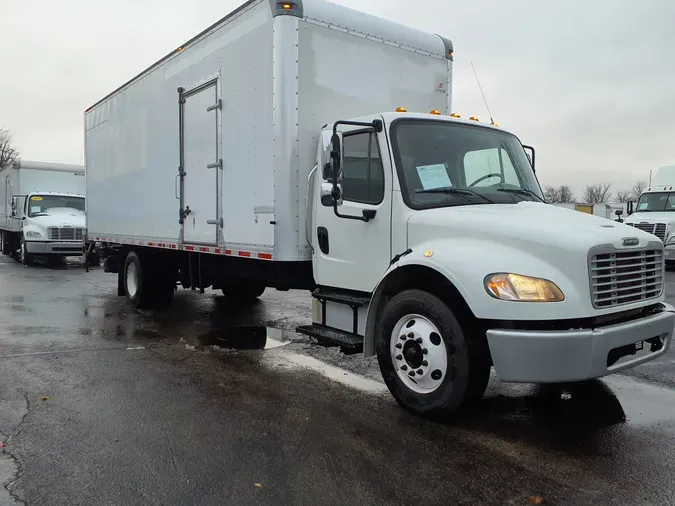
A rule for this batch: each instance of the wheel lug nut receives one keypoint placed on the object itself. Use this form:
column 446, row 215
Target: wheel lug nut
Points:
column 418, row 340
column 411, row 374
column 404, row 367
column 425, row 363
column 403, row 338
column 420, row 371
column 411, row 335
column 425, row 351
column 398, row 357
column 399, row 345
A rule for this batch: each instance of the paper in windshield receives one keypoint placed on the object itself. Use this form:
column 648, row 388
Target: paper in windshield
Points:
column 433, row 176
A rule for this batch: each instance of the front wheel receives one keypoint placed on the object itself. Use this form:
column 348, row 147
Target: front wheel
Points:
column 26, row 258
column 425, row 358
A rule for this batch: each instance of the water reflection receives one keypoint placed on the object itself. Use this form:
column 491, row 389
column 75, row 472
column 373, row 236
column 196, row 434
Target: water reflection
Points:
column 243, row 338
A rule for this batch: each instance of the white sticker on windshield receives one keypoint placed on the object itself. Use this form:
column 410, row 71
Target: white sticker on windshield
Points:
column 433, row 176
column 643, row 205
column 35, row 209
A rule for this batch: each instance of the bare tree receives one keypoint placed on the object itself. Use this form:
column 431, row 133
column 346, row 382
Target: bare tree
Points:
column 637, row 189
column 597, row 193
column 623, row 196
column 550, row 194
column 561, row 194
column 565, row 194
column 8, row 153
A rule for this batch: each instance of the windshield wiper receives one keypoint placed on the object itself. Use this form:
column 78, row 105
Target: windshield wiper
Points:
column 522, row 191
column 464, row 192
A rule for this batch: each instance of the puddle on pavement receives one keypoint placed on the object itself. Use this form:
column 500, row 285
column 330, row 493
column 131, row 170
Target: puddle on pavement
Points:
column 242, row 338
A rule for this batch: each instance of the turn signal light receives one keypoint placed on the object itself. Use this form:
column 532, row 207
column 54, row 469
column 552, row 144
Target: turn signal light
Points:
column 287, row 7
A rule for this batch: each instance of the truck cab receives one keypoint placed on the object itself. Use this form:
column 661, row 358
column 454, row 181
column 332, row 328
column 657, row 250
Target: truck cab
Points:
column 655, row 214
column 52, row 224
column 431, row 241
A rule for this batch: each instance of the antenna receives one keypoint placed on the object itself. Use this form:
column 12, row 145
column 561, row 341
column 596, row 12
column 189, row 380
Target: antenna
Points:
column 481, row 92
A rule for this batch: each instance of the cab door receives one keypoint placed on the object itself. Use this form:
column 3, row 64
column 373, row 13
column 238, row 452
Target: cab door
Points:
column 353, row 253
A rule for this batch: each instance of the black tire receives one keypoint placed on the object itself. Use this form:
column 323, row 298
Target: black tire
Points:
column 146, row 284
column 26, row 258
column 5, row 243
column 244, row 291
column 468, row 370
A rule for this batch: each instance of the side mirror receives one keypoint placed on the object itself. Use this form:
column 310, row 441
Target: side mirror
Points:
column 530, row 156
column 619, row 212
column 335, row 157
column 330, row 194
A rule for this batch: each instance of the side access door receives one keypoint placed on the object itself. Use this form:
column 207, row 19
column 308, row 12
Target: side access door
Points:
column 352, row 253
column 200, row 170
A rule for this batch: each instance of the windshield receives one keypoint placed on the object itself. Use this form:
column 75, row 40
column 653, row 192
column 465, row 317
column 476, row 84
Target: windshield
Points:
column 42, row 204
column 656, row 202
column 451, row 164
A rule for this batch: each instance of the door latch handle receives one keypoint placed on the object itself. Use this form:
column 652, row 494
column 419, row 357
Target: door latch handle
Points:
column 215, row 165
column 217, row 105
column 215, row 222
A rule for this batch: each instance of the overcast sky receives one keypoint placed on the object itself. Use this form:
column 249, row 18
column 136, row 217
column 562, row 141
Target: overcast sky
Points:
column 588, row 83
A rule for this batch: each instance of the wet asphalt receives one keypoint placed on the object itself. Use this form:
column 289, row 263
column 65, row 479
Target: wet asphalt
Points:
column 211, row 403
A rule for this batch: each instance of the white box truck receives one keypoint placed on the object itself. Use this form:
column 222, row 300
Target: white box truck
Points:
column 42, row 210
column 304, row 145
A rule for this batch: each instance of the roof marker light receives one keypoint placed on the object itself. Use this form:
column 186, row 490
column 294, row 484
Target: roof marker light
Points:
column 436, row 112
column 401, row 109
column 474, row 118
column 455, row 115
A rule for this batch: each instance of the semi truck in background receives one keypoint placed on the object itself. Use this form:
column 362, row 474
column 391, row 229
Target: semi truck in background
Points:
column 305, row 145
column 42, row 210
column 654, row 211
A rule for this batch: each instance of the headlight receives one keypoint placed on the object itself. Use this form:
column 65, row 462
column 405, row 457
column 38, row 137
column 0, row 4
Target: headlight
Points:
column 514, row 287
column 33, row 234
column 671, row 240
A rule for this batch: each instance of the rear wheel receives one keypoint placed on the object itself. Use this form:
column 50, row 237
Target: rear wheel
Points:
column 146, row 284
column 428, row 364
column 5, row 243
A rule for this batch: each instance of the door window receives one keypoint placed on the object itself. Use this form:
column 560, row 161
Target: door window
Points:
column 362, row 171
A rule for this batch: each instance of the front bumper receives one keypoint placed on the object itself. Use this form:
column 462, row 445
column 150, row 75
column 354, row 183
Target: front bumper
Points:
column 575, row 355
column 64, row 248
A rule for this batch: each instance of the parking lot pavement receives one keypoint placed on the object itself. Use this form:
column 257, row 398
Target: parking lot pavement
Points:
column 210, row 403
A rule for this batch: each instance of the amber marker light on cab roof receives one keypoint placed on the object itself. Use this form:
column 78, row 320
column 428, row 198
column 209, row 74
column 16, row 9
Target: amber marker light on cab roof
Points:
column 455, row 115
column 436, row 112
column 401, row 109
column 474, row 118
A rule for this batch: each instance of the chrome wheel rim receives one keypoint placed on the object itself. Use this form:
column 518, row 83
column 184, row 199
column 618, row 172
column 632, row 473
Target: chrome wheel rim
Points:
column 418, row 353
column 132, row 279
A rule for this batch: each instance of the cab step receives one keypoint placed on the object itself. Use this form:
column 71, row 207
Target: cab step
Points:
column 334, row 337
column 354, row 299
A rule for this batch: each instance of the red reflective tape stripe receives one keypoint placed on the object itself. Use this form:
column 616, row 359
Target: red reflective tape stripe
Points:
column 151, row 244
column 204, row 250
column 190, row 248
column 265, row 256
column 228, row 251
column 217, row 251
column 244, row 254
column 160, row 244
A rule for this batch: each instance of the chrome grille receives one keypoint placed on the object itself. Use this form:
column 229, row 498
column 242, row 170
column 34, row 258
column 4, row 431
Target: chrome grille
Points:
column 658, row 229
column 623, row 277
column 65, row 233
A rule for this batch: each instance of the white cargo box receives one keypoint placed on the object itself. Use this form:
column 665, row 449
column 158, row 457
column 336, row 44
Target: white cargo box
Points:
column 23, row 177
column 240, row 108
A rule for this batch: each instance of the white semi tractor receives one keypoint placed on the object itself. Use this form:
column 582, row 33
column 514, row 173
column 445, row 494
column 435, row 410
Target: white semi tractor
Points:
column 42, row 208
column 304, row 145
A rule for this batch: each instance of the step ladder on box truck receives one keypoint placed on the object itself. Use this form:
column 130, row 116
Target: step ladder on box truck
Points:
column 304, row 145
column 42, row 210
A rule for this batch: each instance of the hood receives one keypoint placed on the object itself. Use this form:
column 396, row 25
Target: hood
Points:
column 651, row 217
column 540, row 228
column 61, row 217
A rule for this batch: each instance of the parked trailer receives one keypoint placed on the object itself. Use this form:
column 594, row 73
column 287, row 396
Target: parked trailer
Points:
column 42, row 209
column 266, row 153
